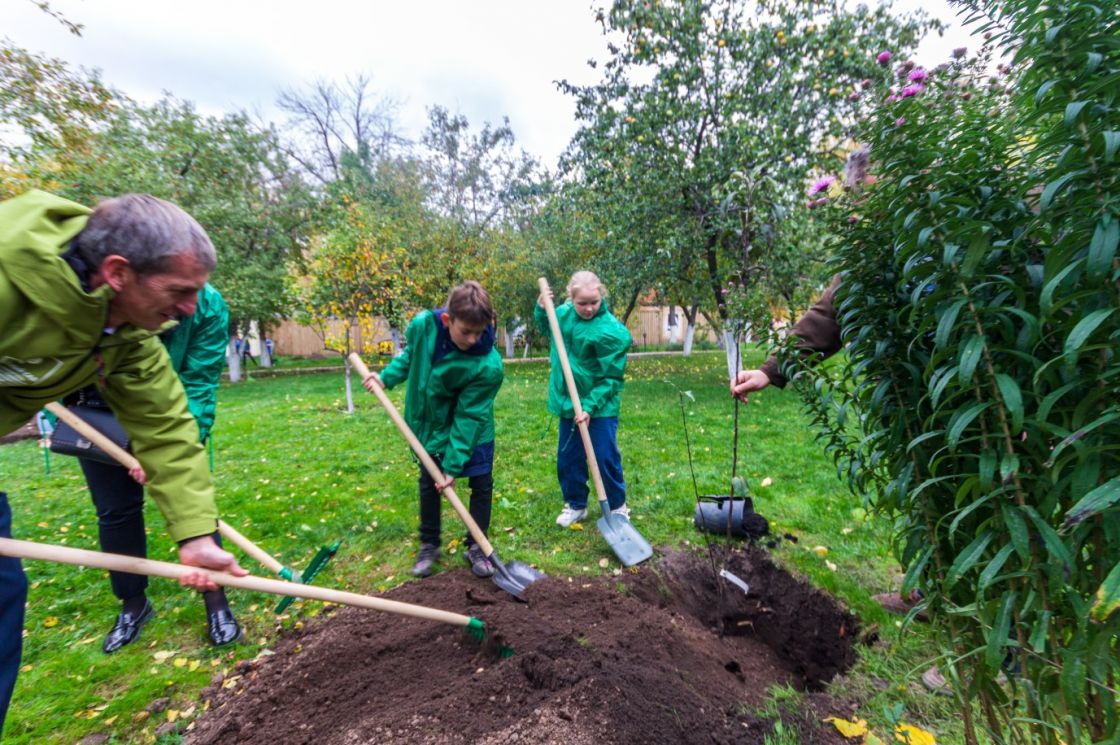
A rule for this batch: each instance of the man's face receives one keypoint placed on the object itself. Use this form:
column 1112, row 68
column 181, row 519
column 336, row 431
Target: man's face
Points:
column 587, row 302
column 148, row 301
column 463, row 335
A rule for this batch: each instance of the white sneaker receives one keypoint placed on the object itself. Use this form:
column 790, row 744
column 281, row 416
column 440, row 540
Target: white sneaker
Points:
column 570, row 516
column 623, row 512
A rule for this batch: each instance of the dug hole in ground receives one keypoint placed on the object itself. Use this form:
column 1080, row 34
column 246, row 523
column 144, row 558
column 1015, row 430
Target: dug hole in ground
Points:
column 651, row 656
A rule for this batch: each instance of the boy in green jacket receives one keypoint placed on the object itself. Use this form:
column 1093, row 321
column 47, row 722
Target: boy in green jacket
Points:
column 597, row 344
column 453, row 373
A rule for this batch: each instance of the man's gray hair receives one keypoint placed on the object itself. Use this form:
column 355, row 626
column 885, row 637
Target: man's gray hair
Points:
column 145, row 230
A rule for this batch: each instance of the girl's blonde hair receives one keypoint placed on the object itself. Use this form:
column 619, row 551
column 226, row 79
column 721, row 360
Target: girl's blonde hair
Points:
column 586, row 280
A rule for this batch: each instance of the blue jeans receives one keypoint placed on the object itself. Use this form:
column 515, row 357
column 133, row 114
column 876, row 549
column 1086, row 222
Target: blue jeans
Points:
column 13, row 598
column 571, row 462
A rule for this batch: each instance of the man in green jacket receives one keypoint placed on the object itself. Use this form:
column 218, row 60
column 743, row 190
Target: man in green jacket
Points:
column 82, row 296
column 453, row 373
column 197, row 348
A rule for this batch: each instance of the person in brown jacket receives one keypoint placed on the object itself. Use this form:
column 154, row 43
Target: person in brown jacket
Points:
column 818, row 338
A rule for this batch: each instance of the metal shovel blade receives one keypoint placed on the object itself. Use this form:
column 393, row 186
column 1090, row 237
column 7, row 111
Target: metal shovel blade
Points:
column 515, row 577
column 626, row 542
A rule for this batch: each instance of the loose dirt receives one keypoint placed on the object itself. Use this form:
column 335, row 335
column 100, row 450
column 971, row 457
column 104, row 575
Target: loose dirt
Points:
column 656, row 655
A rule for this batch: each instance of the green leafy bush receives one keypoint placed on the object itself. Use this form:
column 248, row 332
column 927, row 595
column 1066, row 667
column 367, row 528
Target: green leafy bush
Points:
column 979, row 401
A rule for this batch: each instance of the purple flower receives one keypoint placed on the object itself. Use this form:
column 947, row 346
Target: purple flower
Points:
column 817, row 202
column 883, row 57
column 821, row 184
column 960, row 52
column 919, row 75
column 853, row 219
column 900, row 121
column 865, row 83
column 911, row 90
column 853, row 96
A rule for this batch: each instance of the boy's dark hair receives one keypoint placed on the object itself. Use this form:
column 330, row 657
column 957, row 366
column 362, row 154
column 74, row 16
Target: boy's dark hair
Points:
column 471, row 304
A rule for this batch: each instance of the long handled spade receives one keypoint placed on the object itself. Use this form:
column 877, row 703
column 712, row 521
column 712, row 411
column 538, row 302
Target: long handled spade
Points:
column 512, row 578
column 626, row 542
column 126, row 459
column 133, row 565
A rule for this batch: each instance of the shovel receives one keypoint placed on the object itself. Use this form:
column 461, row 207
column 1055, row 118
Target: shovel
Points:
column 128, row 460
column 626, row 542
column 513, row 578
column 133, row 565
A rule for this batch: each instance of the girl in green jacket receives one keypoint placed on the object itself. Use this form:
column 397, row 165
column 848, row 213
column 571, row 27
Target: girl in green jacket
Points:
column 597, row 344
column 453, row 373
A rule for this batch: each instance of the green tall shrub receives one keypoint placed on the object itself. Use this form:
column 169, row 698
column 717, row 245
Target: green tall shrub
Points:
column 980, row 401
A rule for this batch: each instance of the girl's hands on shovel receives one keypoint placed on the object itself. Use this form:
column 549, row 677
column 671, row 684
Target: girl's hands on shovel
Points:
column 372, row 381
column 206, row 553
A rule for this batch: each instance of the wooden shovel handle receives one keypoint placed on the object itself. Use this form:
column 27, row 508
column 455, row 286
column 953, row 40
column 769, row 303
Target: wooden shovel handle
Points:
column 573, row 392
column 152, row 568
column 250, row 548
column 126, row 459
column 91, row 433
column 429, row 464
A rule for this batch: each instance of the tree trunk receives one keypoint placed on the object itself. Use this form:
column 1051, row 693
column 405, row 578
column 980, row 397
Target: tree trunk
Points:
column 233, row 361
column 674, row 324
column 395, row 335
column 630, row 306
column 690, row 332
column 349, row 388
column 509, row 341
column 731, row 343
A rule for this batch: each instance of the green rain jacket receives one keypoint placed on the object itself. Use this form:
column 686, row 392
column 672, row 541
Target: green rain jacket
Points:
column 197, row 347
column 449, row 403
column 597, row 350
column 52, row 342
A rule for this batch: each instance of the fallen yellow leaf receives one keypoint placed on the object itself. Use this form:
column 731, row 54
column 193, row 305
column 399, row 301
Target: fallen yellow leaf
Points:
column 870, row 739
column 162, row 656
column 50, row 622
column 193, row 666
column 911, row 735
column 172, row 715
column 849, row 729
column 576, row 526
column 766, row 481
column 25, row 669
column 820, row 551
column 180, row 662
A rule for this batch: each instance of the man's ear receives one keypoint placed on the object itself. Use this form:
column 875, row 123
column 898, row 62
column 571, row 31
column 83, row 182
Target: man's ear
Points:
column 446, row 318
column 114, row 271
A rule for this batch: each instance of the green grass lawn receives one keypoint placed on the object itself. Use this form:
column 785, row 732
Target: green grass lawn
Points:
column 294, row 471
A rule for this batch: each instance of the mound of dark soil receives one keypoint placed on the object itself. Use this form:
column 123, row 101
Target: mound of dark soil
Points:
column 661, row 654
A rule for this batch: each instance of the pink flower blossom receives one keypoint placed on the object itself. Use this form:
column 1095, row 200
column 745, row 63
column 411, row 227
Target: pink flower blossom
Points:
column 900, row 121
column 919, row 75
column 853, row 219
column 853, row 96
column 865, row 83
column 818, row 202
column 883, row 57
column 911, row 90
column 821, row 184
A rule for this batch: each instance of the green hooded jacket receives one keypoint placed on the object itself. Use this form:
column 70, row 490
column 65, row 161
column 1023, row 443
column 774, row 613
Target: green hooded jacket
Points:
column 52, row 342
column 597, row 349
column 448, row 403
column 197, row 347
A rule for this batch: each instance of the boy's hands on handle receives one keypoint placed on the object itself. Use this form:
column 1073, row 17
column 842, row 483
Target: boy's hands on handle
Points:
column 443, row 482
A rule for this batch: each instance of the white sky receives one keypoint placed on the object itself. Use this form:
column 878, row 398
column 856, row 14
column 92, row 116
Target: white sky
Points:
column 484, row 59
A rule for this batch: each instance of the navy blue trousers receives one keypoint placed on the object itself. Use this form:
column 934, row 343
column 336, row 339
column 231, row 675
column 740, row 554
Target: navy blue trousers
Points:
column 13, row 598
column 571, row 462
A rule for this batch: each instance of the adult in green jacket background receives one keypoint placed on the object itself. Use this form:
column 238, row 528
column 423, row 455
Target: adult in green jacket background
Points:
column 453, row 373
column 197, row 348
column 597, row 344
column 82, row 296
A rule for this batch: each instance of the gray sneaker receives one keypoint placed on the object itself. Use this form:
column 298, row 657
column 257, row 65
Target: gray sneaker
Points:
column 425, row 560
column 479, row 564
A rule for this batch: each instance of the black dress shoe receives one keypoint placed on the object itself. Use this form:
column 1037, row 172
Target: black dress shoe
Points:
column 127, row 628
column 223, row 627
